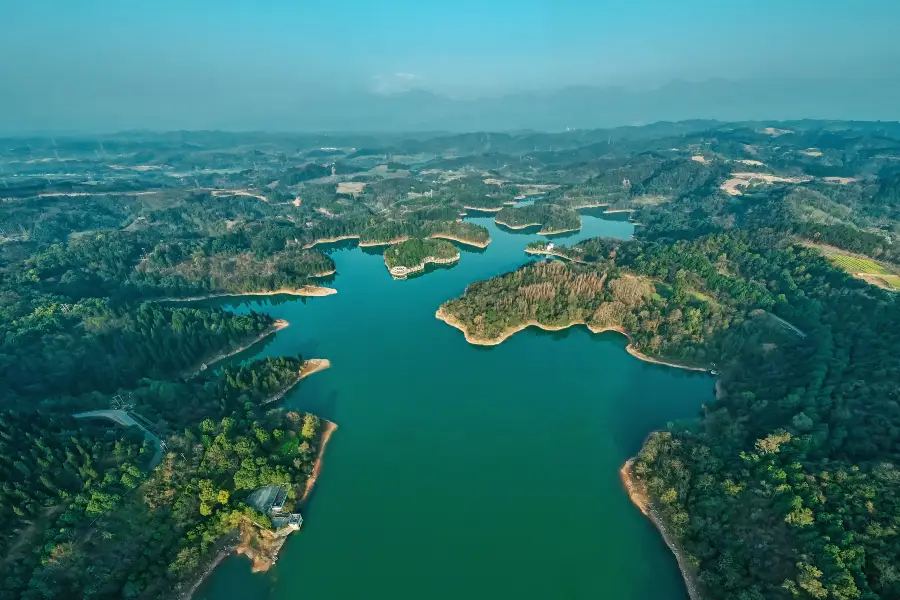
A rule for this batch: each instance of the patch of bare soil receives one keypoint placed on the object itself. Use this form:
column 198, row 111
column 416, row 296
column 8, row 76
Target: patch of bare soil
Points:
column 775, row 132
column 352, row 188
column 745, row 179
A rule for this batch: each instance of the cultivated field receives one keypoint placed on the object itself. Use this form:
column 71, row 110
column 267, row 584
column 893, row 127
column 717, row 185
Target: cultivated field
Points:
column 863, row 268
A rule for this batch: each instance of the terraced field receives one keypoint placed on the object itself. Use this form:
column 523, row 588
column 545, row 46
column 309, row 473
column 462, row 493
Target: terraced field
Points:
column 865, row 269
column 855, row 264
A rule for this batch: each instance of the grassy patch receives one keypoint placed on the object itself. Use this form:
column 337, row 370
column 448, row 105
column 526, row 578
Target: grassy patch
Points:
column 863, row 268
column 855, row 264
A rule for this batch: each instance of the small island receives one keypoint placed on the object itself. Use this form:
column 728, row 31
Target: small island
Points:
column 390, row 232
column 412, row 255
column 551, row 218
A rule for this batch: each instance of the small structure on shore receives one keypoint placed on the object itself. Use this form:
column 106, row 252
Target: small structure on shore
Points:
column 270, row 500
column 549, row 246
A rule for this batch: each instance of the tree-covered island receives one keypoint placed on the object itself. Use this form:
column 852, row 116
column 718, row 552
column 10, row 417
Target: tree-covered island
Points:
column 411, row 256
column 550, row 217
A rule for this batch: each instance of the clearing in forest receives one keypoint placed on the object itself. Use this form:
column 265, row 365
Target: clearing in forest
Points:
column 352, row 188
column 745, row 179
column 861, row 267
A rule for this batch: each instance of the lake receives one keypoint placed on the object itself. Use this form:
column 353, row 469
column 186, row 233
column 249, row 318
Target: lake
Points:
column 460, row 471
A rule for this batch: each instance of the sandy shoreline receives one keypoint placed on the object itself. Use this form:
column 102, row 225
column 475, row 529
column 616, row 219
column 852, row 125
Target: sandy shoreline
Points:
column 557, row 231
column 508, row 226
column 639, row 497
column 307, row 290
column 314, row 365
column 397, row 240
column 540, row 252
column 325, row 273
column 541, row 232
column 332, row 240
column 618, row 210
column 483, row 209
column 447, row 236
column 401, row 272
column 278, row 325
column 229, row 547
column 444, row 236
column 317, row 469
column 454, row 322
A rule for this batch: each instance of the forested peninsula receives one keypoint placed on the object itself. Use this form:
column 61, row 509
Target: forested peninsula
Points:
column 551, row 218
column 411, row 256
column 393, row 232
column 779, row 436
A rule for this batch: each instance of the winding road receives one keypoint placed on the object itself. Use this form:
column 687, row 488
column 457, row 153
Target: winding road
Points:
column 124, row 419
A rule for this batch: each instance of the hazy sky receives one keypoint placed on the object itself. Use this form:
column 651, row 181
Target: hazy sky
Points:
column 79, row 62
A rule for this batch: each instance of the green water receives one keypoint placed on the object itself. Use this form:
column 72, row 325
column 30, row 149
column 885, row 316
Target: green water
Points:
column 460, row 471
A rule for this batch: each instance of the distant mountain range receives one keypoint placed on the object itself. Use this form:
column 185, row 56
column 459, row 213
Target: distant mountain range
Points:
column 584, row 107
column 594, row 107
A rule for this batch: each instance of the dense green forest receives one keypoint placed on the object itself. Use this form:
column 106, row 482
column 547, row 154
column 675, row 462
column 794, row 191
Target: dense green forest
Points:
column 550, row 217
column 113, row 530
column 414, row 251
column 785, row 486
column 60, row 348
column 120, row 264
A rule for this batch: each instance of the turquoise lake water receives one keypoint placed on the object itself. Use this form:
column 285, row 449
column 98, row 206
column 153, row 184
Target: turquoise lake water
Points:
column 460, row 471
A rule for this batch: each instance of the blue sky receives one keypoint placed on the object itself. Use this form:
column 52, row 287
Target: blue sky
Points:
column 59, row 55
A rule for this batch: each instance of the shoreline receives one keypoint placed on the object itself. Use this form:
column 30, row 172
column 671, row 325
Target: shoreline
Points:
column 638, row 495
column 541, row 225
column 307, row 290
column 314, row 365
column 317, row 468
column 402, row 272
column 505, row 335
column 447, row 236
column 396, row 240
column 341, row 238
column 276, row 326
column 618, row 210
column 235, row 546
column 594, row 205
column 557, row 231
column 483, row 209
column 538, row 252
column 331, row 240
column 229, row 547
column 324, row 273
column 508, row 226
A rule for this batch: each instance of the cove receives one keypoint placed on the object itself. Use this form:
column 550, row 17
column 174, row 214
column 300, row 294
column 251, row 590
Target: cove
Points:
column 460, row 471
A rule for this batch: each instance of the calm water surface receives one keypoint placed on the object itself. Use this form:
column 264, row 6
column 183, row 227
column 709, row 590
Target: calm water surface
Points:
column 460, row 471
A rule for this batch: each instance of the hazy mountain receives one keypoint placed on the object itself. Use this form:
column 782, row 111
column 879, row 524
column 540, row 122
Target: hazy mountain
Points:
column 590, row 107
column 286, row 108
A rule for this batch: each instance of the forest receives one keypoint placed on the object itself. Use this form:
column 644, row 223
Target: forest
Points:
column 785, row 486
column 550, row 217
column 414, row 251
column 166, row 522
